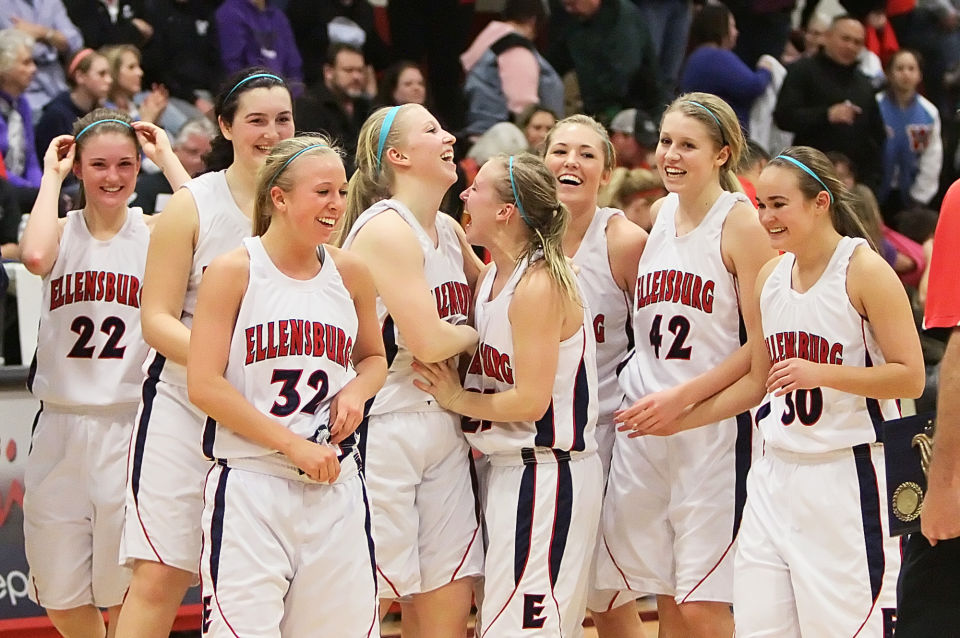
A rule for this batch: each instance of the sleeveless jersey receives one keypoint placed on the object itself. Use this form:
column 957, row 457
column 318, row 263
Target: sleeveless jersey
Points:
column 569, row 423
column 686, row 312
column 222, row 227
column 609, row 309
column 290, row 353
column 443, row 270
column 89, row 346
column 819, row 325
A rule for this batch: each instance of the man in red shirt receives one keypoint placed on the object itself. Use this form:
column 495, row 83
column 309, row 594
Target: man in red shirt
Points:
column 930, row 577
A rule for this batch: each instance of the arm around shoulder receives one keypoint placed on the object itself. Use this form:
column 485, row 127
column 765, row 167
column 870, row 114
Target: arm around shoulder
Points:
column 388, row 247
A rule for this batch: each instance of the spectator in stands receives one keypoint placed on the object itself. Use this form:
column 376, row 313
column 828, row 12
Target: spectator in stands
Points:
column 317, row 25
column 608, row 45
column 254, row 33
column 767, row 22
column 448, row 24
column 88, row 75
column 16, row 128
column 536, row 121
column 124, row 61
column 633, row 191
column 913, row 151
column 669, row 24
column 634, row 136
column 829, row 104
column 104, row 22
column 54, row 35
column 403, row 83
column 713, row 67
column 184, row 52
column 339, row 105
column 190, row 146
column 10, row 213
column 505, row 72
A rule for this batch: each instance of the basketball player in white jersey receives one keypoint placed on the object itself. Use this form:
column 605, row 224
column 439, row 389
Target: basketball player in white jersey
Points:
column 606, row 247
column 285, row 350
column 530, row 405
column 86, row 371
column 210, row 216
column 416, row 462
column 705, row 247
column 814, row 556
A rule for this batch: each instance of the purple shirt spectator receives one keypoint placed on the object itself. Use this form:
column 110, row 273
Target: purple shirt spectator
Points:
column 49, row 79
column 252, row 33
column 714, row 70
column 30, row 177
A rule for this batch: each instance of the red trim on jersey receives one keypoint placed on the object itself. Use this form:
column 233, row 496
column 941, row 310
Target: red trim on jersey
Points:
column 389, row 582
column 712, row 569
column 614, row 561
column 465, row 553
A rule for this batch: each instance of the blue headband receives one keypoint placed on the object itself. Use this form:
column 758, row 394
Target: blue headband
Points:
column 384, row 132
column 291, row 158
column 252, row 77
column 90, row 126
column 723, row 138
column 516, row 196
column 807, row 170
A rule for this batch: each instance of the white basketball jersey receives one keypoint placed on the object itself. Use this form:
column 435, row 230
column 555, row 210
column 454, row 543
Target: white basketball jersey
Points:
column 222, row 227
column 686, row 312
column 89, row 346
column 290, row 353
column 569, row 424
column 609, row 309
column 443, row 270
column 819, row 325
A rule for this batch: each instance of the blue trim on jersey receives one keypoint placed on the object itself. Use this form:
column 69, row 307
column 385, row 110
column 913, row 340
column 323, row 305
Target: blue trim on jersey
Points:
column 562, row 516
column 581, row 407
column 209, row 436
column 367, row 528
column 763, row 412
column 743, row 457
column 389, row 339
column 526, row 500
column 630, row 352
column 361, row 434
column 216, row 525
column 873, row 406
column 546, row 429
column 870, row 514
column 33, row 428
column 32, row 374
column 474, row 485
column 149, row 393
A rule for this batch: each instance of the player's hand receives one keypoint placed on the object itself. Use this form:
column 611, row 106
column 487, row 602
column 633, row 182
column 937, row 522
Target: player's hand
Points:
column 60, row 156
column 317, row 460
column 940, row 517
column 656, row 414
column 441, row 380
column 793, row 374
column 154, row 142
column 346, row 412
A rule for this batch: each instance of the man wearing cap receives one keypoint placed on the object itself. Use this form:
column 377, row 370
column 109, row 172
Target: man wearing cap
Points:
column 634, row 136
